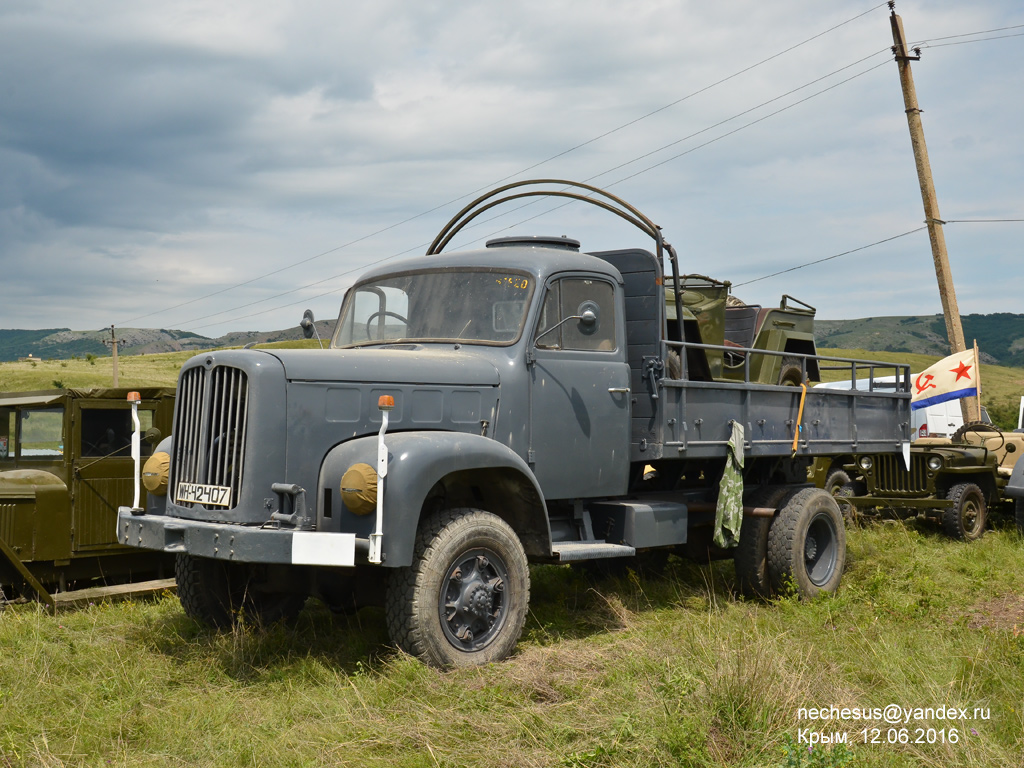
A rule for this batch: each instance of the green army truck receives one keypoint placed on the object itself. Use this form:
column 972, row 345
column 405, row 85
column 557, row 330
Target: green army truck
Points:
column 65, row 467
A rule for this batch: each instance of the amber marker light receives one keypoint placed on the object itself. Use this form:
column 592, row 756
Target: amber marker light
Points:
column 134, row 397
column 386, row 402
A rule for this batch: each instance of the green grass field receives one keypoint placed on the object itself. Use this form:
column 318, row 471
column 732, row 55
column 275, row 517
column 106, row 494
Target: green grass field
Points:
column 668, row 670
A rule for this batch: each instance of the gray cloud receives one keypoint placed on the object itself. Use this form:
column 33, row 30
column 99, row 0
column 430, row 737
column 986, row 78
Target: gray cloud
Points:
column 151, row 154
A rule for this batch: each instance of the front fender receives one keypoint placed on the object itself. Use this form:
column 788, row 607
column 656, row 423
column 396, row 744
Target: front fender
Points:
column 455, row 468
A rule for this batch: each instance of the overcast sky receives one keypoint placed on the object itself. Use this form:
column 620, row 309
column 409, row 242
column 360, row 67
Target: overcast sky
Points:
column 252, row 159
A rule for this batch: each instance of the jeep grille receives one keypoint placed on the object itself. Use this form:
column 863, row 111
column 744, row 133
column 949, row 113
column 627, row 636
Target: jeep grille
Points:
column 209, row 430
column 891, row 475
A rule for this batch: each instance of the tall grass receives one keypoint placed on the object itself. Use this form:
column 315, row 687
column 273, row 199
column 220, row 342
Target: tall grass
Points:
column 611, row 671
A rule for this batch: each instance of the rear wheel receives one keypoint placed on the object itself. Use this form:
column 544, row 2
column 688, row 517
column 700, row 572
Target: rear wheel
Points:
column 217, row 594
column 965, row 520
column 807, row 544
column 463, row 600
column 751, row 555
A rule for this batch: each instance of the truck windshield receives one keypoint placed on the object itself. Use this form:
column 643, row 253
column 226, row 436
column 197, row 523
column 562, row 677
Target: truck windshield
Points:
column 469, row 305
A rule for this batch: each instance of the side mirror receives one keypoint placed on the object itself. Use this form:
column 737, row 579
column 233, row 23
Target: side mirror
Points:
column 308, row 326
column 588, row 314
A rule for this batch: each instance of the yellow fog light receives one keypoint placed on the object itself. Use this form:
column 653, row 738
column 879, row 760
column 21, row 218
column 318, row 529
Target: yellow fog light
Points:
column 154, row 473
column 359, row 489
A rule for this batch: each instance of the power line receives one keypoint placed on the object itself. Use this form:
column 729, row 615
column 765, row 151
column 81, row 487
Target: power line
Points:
column 979, row 221
column 829, row 258
column 592, row 178
column 965, row 42
column 506, row 178
column 968, row 34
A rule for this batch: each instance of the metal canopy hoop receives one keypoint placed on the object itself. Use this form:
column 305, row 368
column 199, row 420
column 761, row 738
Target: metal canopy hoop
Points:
column 617, row 205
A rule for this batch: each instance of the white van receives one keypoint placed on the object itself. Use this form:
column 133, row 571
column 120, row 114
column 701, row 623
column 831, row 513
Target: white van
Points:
column 940, row 420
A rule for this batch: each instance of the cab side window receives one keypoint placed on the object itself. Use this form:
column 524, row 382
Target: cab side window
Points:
column 570, row 297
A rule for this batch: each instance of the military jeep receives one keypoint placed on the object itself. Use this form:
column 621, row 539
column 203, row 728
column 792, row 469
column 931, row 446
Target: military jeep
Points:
column 65, row 466
column 954, row 480
column 739, row 331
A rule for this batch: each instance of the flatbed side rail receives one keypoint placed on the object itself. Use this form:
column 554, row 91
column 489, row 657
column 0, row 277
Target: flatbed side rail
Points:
column 698, row 415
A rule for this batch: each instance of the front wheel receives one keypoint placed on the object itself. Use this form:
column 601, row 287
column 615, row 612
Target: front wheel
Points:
column 807, row 544
column 463, row 600
column 965, row 520
column 218, row 593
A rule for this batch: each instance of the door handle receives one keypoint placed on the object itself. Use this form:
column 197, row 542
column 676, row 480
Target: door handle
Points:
column 623, row 390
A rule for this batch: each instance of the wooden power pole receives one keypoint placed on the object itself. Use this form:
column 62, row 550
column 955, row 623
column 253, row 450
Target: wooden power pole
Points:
column 947, row 293
column 112, row 342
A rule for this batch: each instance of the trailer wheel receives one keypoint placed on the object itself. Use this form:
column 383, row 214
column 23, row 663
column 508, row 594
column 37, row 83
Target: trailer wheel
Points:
column 463, row 600
column 807, row 544
column 751, row 555
column 965, row 520
column 217, row 594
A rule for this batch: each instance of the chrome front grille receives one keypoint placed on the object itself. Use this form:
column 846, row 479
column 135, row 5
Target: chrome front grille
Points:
column 891, row 475
column 210, row 429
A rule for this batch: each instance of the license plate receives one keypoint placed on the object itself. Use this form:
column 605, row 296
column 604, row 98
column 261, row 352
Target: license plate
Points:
column 194, row 493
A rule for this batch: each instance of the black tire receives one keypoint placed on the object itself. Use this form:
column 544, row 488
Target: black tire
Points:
column 965, row 520
column 807, row 544
column 218, row 594
column 836, row 479
column 437, row 614
column 1018, row 514
column 751, row 554
column 845, row 491
column 791, row 374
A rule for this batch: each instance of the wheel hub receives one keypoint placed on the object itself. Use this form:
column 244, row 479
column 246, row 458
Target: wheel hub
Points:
column 472, row 601
column 810, row 548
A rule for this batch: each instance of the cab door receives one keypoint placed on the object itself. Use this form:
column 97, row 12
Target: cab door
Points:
column 579, row 390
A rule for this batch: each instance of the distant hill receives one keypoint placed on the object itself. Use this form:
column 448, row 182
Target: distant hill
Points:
column 63, row 343
column 1000, row 336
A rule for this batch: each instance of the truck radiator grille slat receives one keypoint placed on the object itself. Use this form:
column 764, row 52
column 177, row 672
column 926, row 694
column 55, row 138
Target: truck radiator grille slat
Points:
column 892, row 476
column 210, row 429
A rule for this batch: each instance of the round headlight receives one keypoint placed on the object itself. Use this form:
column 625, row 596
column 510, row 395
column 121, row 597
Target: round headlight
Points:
column 935, row 462
column 155, row 471
column 866, row 463
column 359, row 489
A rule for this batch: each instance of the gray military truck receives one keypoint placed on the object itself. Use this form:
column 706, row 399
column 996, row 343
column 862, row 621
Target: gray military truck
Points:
column 65, row 467
column 480, row 410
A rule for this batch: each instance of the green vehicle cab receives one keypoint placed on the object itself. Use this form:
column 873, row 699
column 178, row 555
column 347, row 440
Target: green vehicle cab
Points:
column 779, row 337
column 65, row 467
column 952, row 480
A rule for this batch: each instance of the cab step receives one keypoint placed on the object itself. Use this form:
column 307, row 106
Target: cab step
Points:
column 571, row 551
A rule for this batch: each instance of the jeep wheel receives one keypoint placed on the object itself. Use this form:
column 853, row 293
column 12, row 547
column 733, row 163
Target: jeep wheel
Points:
column 807, row 544
column 217, row 594
column 965, row 520
column 791, row 374
column 750, row 556
column 851, row 489
column 463, row 600
column 835, row 480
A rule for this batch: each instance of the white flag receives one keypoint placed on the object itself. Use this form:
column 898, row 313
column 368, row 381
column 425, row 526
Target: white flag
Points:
column 949, row 379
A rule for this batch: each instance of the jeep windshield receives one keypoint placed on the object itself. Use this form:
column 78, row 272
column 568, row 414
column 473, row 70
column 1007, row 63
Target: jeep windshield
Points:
column 474, row 306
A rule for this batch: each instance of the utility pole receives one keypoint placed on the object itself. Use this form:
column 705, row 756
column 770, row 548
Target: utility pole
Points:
column 947, row 293
column 113, row 343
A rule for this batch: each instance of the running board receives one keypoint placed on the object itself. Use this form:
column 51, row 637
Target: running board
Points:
column 570, row 551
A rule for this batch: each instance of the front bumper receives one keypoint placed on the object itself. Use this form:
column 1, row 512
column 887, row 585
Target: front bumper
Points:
column 239, row 543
